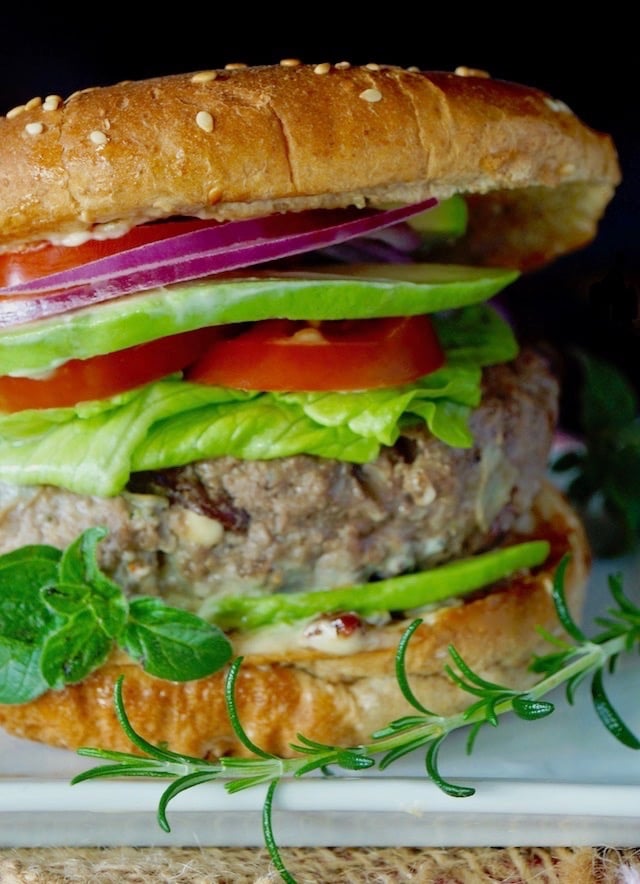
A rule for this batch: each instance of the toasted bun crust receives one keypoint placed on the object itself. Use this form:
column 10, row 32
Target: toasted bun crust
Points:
column 337, row 699
column 236, row 143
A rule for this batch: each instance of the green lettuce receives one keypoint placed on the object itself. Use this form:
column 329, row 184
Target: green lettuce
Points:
column 94, row 447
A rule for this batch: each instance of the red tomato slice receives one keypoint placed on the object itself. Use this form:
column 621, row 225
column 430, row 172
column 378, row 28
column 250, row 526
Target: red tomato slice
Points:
column 336, row 355
column 17, row 267
column 267, row 356
column 81, row 380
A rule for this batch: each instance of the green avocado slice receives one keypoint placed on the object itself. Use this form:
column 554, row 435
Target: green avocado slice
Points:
column 444, row 222
column 407, row 592
column 348, row 293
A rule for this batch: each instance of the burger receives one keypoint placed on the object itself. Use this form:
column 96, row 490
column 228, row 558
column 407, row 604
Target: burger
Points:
column 260, row 398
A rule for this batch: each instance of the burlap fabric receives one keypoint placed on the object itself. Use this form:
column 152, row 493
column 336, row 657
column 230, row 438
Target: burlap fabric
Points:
column 213, row 865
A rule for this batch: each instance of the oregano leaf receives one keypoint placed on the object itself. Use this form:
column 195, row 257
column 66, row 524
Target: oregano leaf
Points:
column 73, row 565
column 74, row 650
column 173, row 644
column 25, row 621
column 608, row 400
column 79, row 568
column 65, row 599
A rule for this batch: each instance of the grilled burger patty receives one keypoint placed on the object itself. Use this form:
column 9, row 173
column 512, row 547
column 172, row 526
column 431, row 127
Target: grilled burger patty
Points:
column 230, row 526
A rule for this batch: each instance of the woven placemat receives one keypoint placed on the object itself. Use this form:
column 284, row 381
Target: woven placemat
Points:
column 129, row 865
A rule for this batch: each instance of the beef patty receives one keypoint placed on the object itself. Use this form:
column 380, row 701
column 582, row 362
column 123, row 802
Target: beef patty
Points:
column 231, row 526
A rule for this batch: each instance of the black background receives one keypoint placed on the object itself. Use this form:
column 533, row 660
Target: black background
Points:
column 590, row 299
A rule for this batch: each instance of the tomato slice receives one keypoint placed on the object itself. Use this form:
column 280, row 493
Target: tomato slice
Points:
column 43, row 259
column 341, row 355
column 271, row 355
column 82, row 380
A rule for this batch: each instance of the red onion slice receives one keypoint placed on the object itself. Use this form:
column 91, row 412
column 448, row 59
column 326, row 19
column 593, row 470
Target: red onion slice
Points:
column 200, row 253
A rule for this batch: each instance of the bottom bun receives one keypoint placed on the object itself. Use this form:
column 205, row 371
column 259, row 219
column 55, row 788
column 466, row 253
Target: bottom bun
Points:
column 334, row 698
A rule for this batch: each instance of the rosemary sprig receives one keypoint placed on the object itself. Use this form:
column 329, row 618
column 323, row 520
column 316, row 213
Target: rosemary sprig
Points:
column 576, row 659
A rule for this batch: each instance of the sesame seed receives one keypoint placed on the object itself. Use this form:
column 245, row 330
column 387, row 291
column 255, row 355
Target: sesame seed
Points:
column 235, row 66
column 413, row 69
column 343, row 65
column 567, row 169
column 98, row 138
column 371, row 95
column 204, row 76
column 15, row 111
column 372, row 66
column 463, row 71
column 52, row 102
column 205, row 121
column 290, row 62
column 33, row 103
column 34, row 128
column 557, row 106
column 322, row 68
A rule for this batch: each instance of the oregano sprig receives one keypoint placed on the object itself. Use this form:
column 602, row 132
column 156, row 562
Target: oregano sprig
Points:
column 604, row 473
column 576, row 660
column 61, row 616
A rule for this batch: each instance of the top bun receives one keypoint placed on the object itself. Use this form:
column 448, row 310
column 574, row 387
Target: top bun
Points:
column 244, row 142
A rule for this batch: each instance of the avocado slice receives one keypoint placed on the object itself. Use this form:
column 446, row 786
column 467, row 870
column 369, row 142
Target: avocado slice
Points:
column 443, row 223
column 407, row 592
column 341, row 292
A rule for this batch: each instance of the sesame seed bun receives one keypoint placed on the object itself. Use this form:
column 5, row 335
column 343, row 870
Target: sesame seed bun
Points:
column 245, row 142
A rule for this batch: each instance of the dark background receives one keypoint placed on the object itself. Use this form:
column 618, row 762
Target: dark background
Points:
column 590, row 299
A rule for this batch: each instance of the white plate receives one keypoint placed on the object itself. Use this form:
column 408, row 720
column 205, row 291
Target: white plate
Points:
column 562, row 781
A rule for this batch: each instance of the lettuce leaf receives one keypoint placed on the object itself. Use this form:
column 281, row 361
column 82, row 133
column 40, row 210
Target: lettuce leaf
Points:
column 93, row 448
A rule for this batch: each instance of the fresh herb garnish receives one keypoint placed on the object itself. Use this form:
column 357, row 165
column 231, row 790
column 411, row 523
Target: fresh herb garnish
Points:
column 605, row 480
column 576, row 660
column 60, row 618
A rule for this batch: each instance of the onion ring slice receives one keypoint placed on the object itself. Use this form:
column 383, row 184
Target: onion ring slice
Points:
column 217, row 249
